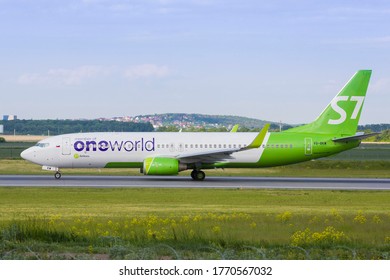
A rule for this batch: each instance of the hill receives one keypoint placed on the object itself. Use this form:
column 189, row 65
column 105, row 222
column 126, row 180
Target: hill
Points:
column 182, row 120
column 158, row 122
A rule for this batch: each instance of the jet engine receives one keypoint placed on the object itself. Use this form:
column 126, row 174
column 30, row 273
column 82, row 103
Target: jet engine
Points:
column 162, row 166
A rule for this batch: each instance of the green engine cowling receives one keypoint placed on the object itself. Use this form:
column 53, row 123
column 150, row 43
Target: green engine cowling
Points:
column 162, row 166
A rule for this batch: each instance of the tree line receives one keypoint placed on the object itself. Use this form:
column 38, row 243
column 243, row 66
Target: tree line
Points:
column 374, row 127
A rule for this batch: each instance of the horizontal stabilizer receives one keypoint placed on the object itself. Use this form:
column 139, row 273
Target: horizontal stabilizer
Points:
column 357, row 136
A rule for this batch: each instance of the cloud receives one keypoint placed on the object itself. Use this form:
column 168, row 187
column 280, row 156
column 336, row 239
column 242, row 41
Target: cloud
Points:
column 380, row 41
column 81, row 74
column 146, row 71
column 64, row 76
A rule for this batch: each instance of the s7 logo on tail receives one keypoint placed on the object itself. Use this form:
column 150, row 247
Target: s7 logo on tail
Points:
column 343, row 115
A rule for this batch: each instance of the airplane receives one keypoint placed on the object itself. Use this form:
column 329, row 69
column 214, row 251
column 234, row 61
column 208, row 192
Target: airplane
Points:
column 168, row 153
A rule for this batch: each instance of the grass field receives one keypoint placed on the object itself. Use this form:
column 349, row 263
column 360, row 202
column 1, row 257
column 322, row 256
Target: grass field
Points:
column 75, row 223
column 57, row 223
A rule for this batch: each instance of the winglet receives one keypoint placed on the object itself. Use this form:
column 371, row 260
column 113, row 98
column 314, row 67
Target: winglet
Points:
column 256, row 143
column 234, row 128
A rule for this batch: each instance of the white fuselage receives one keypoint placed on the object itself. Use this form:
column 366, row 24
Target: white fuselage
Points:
column 96, row 150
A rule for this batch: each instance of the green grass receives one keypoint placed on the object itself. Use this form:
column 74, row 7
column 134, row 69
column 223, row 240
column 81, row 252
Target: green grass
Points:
column 80, row 223
column 56, row 223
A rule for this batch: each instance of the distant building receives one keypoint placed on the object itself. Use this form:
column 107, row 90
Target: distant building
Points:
column 1, row 129
column 9, row 117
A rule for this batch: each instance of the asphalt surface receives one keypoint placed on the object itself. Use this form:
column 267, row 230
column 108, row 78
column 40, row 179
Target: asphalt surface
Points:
column 186, row 182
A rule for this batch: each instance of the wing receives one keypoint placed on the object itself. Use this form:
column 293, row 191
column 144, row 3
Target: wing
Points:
column 222, row 154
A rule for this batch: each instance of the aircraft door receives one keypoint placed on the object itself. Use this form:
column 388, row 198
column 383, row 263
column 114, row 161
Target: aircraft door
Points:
column 308, row 146
column 66, row 147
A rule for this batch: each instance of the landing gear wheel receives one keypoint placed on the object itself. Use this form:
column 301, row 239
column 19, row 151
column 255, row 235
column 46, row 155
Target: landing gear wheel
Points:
column 193, row 174
column 198, row 175
column 57, row 175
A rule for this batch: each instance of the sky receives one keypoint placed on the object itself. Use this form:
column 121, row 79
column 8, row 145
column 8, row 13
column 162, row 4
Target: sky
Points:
column 271, row 60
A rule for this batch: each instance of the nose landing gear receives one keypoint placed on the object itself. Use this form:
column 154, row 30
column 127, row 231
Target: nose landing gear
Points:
column 57, row 175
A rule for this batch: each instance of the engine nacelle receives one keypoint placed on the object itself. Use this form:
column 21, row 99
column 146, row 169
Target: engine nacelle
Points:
column 162, row 166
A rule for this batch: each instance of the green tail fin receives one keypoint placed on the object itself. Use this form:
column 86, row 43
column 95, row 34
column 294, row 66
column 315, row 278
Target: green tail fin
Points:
column 341, row 116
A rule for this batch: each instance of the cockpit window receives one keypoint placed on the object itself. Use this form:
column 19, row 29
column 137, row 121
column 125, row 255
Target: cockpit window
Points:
column 42, row 145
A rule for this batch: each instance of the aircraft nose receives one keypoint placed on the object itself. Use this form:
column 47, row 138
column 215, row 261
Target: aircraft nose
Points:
column 27, row 154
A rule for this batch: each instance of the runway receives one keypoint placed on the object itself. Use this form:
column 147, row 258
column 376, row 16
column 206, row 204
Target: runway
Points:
column 186, row 182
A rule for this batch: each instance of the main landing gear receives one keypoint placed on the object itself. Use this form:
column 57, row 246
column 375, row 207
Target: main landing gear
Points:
column 198, row 175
